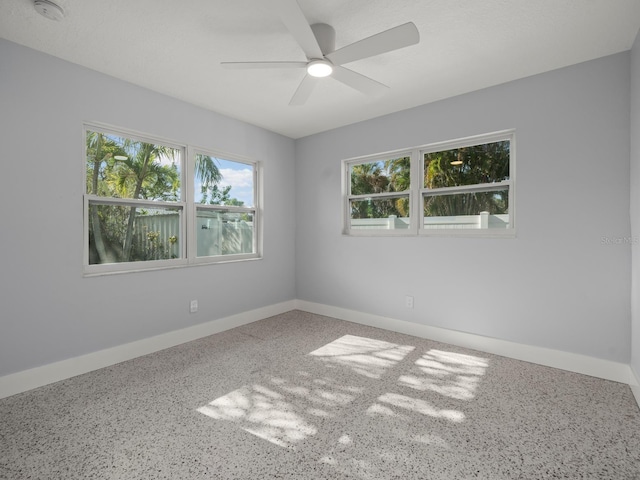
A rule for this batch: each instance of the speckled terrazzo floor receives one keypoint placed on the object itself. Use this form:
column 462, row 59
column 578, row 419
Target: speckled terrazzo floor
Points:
column 301, row 396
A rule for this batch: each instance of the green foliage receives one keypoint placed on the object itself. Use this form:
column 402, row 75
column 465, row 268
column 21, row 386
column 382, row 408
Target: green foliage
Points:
column 488, row 163
column 214, row 195
column 381, row 177
column 147, row 243
column 118, row 167
column 400, row 180
column 207, row 171
column 234, row 202
column 155, row 248
column 478, row 164
column 122, row 168
column 473, row 165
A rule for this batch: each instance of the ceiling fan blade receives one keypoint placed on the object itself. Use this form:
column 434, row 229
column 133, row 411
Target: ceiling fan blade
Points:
column 361, row 83
column 304, row 90
column 249, row 65
column 392, row 39
column 297, row 24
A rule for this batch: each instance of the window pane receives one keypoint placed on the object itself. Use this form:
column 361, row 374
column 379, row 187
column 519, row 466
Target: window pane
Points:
column 391, row 175
column 224, row 233
column 120, row 167
column 380, row 213
column 122, row 233
column 488, row 163
column 223, row 182
column 467, row 210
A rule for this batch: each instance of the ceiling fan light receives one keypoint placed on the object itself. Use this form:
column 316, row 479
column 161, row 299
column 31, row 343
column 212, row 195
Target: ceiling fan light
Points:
column 319, row 68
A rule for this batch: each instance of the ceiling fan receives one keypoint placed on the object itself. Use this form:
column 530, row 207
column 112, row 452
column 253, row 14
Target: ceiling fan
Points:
column 318, row 44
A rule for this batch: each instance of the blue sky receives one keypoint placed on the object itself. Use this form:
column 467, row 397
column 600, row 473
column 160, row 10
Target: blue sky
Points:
column 239, row 176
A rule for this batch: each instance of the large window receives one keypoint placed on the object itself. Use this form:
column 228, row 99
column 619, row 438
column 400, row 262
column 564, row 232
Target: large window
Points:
column 154, row 204
column 461, row 187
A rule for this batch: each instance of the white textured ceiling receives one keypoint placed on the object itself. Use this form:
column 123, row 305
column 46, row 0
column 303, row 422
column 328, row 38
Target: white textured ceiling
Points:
column 175, row 47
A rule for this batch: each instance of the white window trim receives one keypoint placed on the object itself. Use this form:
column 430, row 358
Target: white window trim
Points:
column 417, row 192
column 188, row 245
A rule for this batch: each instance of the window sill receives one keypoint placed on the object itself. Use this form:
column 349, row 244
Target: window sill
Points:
column 197, row 263
column 460, row 233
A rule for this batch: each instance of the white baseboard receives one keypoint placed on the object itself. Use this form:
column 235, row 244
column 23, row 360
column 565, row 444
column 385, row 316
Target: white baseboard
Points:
column 595, row 367
column 635, row 385
column 54, row 372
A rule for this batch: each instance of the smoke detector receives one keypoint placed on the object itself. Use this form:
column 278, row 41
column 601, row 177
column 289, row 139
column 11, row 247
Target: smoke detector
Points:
column 49, row 9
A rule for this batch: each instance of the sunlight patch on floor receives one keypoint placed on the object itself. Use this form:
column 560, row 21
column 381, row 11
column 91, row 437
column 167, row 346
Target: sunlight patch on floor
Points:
column 420, row 406
column 262, row 412
column 365, row 356
column 288, row 410
column 283, row 411
column 451, row 374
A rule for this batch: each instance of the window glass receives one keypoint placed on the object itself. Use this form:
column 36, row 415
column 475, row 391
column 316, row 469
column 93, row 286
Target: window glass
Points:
column 391, row 175
column 225, row 213
column 224, row 233
column 372, row 213
column 467, row 210
column 120, row 167
column 472, row 199
column 223, row 182
column 372, row 205
column 155, row 233
column 140, row 173
column 477, row 164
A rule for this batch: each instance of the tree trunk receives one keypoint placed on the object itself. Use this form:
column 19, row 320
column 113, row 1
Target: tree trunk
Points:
column 128, row 241
column 93, row 210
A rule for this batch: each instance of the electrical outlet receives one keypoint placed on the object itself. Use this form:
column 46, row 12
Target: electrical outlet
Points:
column 408, row 301
column 193, row 306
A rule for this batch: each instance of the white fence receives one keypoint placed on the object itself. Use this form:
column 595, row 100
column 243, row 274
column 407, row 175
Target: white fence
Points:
column 482, row 221
column 152, row 234
column 218, row 233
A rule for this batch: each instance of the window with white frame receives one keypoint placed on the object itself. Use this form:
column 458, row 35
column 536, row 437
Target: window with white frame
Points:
column 225, row 207
column 380, row 193
column 459, row 187
column 150, row 203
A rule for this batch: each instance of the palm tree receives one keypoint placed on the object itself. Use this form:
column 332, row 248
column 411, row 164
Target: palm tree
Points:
column 367, row 178
column 145, row 175
column 123, row 168
column 206, row 171
column 100, row 150
column 400, row 180
column 381, row 177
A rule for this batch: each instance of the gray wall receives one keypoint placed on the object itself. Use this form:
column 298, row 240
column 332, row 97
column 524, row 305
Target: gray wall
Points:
column 557, row 284
column 635, row 205
column 48, row 311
